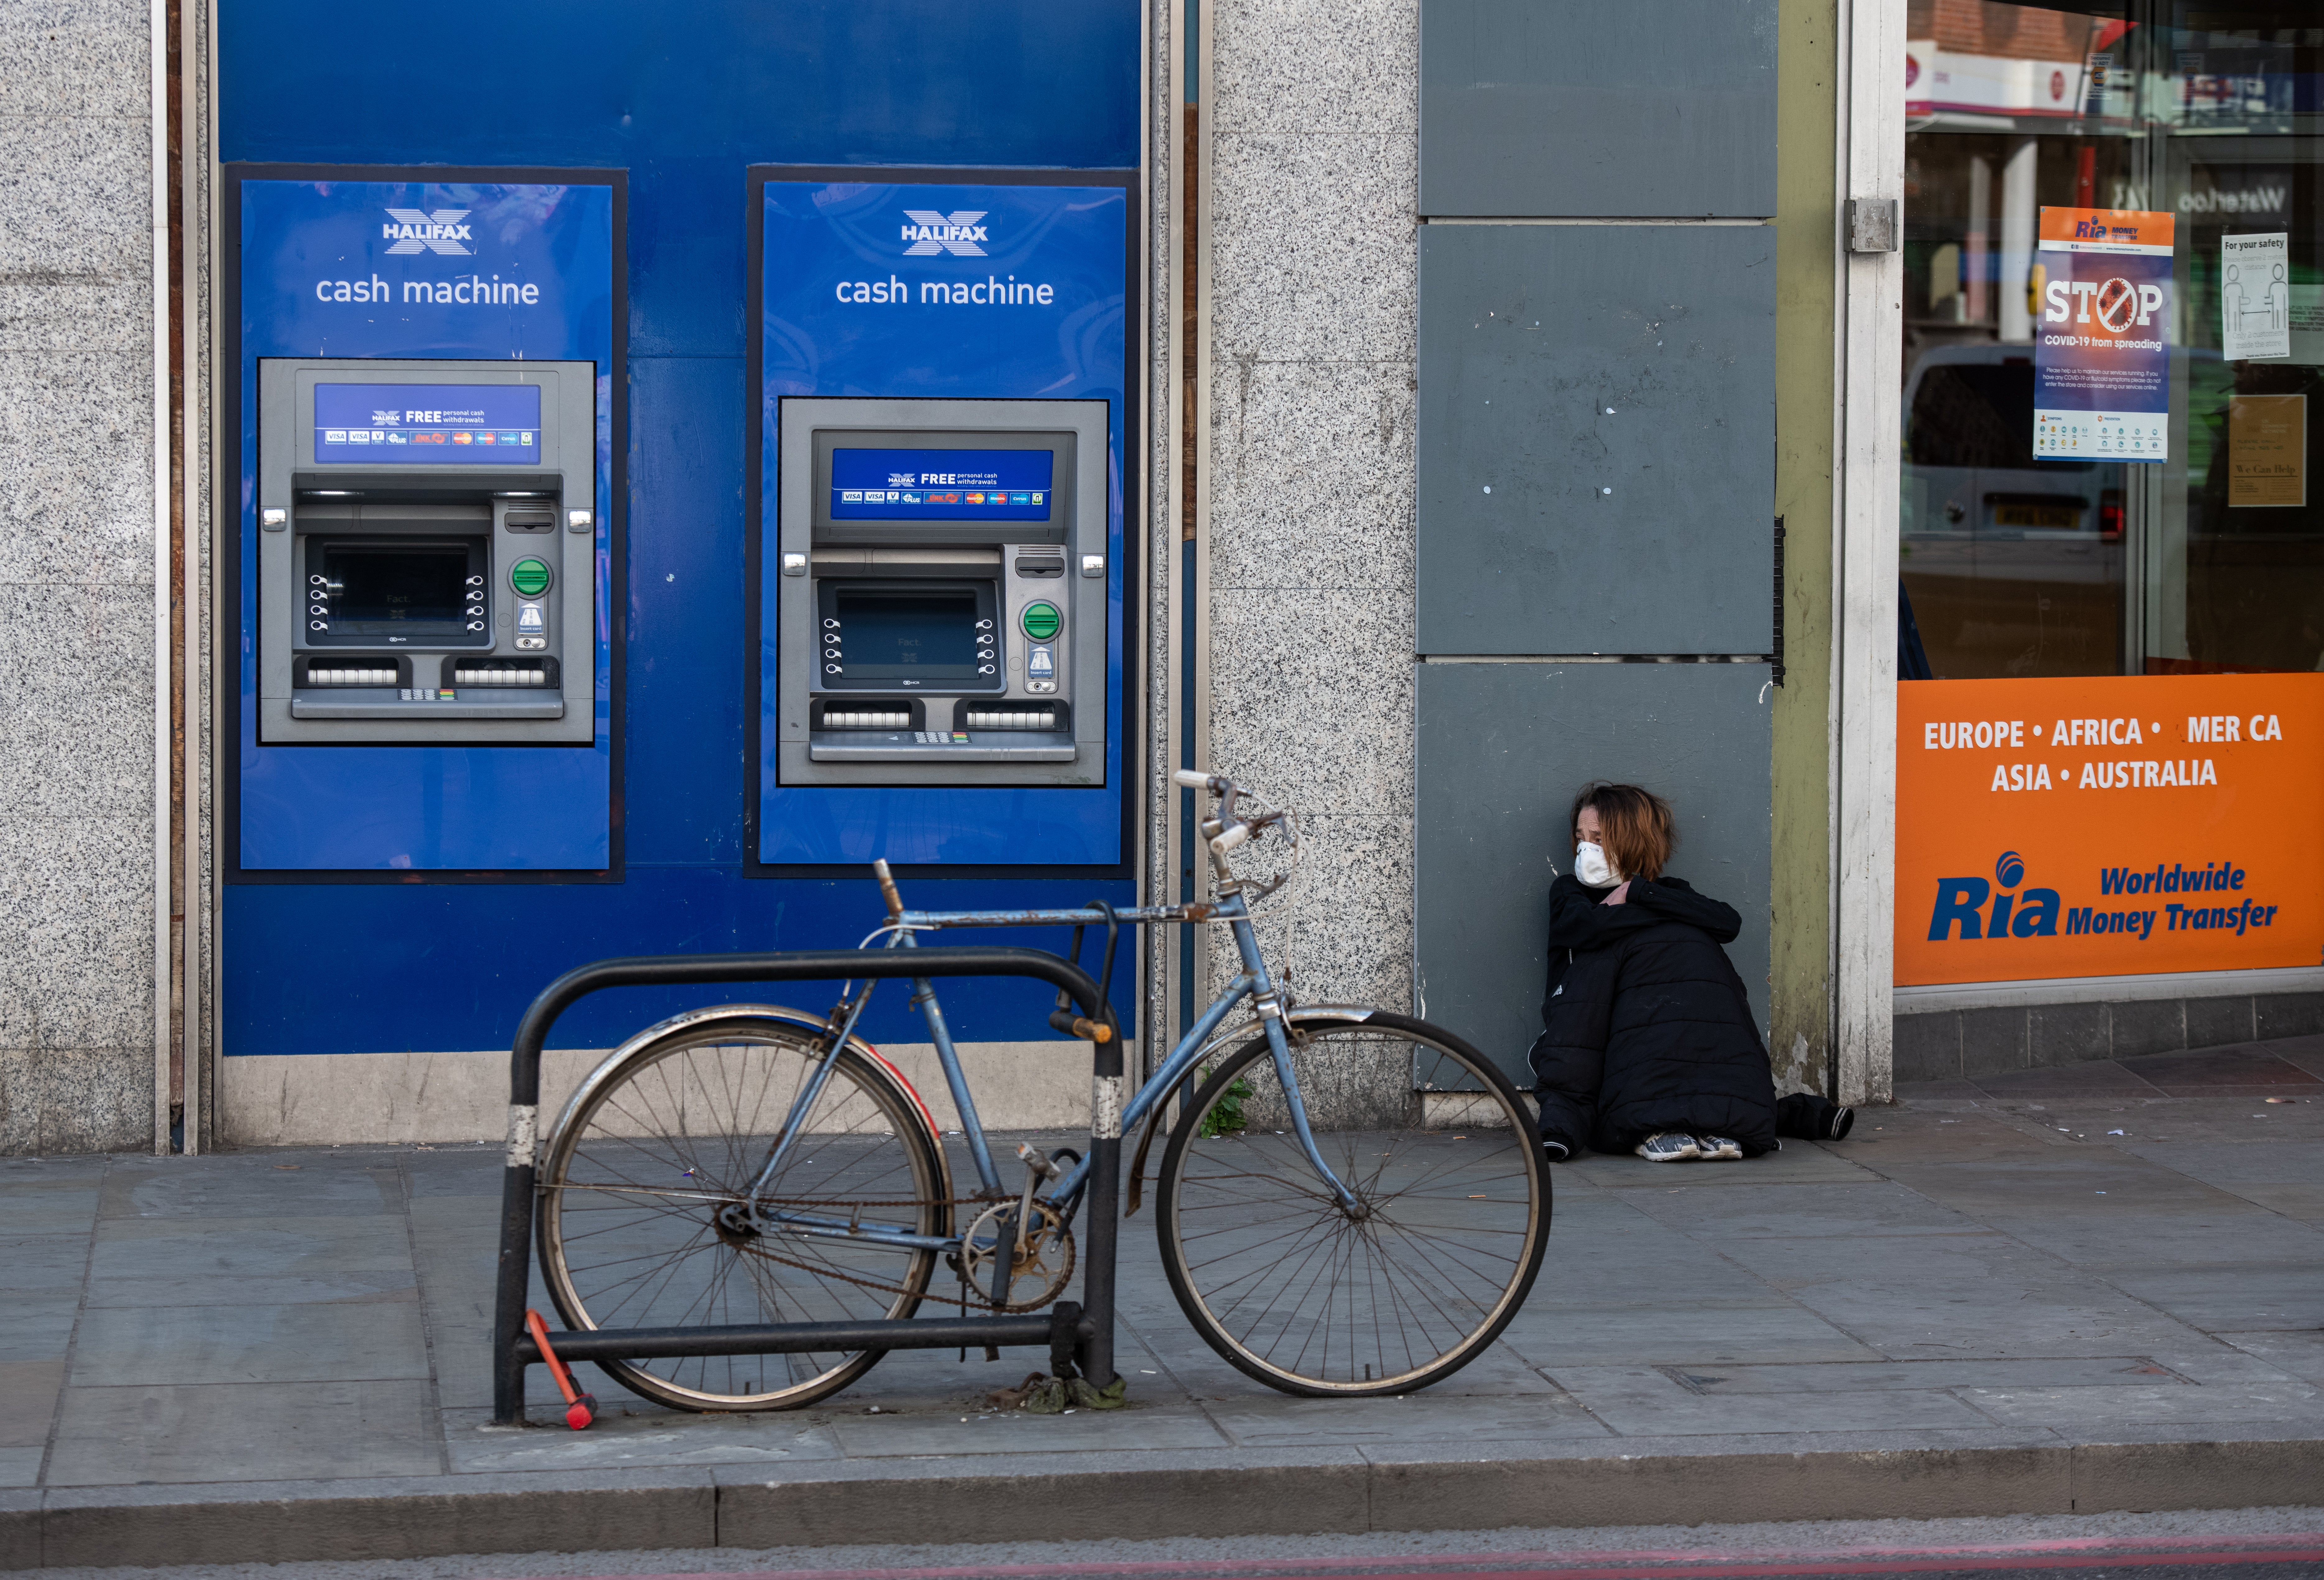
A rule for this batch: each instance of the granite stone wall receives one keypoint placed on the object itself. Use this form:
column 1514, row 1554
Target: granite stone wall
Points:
column 77, row 1000
column 1313, row 303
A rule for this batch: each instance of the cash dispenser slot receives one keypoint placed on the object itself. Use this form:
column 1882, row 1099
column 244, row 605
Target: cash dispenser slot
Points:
column 338, row 670
column 535, row 673
column 837, row 714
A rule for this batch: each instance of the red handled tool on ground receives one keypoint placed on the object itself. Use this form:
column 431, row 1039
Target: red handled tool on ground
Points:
column 580, row 1409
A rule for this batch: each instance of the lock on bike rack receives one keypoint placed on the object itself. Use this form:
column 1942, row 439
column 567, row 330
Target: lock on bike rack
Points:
column 1079, row 1336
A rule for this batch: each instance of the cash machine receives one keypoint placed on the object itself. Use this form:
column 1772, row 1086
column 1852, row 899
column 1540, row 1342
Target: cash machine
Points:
column 428, row 532
column 943, row 609
column 937, row 631
column 431, row 384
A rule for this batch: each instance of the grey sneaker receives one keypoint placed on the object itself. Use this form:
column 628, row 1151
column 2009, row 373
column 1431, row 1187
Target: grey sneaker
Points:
column 1718, row 1149
column 1668, row 1147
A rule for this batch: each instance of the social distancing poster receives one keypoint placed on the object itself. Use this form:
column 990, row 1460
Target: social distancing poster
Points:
column 2109, row 826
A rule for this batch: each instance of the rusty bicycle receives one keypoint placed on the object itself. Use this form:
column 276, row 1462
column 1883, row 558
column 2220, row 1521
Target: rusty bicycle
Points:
column 1349, row 1200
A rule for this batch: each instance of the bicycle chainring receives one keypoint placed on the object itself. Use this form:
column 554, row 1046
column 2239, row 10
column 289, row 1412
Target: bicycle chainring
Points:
column 1042, row 1269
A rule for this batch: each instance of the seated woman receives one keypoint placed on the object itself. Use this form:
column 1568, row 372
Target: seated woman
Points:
column 1648, row 1041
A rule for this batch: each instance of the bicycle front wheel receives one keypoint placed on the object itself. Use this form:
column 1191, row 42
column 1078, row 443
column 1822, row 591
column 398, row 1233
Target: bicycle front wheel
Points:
column 643, row 1198
column 1406, row 1286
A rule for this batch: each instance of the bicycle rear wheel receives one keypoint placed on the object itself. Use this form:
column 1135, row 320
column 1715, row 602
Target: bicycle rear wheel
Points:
column 657, row 1152
column 1410, row 1286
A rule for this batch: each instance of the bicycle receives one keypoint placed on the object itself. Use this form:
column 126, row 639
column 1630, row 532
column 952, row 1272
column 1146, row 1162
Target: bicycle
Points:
column 756, row 1163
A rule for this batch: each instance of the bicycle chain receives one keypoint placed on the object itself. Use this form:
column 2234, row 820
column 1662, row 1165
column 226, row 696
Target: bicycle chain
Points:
column 875, row 1284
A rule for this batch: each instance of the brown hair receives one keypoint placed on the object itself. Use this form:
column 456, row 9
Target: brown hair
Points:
column 1636, row 826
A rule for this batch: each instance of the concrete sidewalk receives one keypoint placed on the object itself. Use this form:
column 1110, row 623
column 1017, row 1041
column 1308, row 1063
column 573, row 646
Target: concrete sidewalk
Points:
column 2091, row 1287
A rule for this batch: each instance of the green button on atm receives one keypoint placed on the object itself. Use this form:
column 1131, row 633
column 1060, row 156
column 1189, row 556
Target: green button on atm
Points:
column 531, row 577
column 1041, row 620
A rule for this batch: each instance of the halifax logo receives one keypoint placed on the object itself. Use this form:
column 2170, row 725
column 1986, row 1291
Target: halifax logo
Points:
column 957, row 233
column 441, row 232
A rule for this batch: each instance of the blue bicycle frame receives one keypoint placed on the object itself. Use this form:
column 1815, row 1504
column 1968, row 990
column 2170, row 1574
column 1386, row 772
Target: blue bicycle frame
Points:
column 1065, row 1192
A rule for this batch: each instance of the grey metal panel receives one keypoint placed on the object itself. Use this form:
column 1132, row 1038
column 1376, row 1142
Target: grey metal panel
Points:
column 1503, row 747
column 1597, row 438
column 1582, row 107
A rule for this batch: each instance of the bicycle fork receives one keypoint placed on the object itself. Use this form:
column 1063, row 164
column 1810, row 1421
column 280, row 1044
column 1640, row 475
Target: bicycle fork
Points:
column 1269, row 1005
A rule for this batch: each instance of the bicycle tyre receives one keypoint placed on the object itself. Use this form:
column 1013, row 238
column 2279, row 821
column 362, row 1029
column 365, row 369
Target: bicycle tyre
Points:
column 669, row 1130
column 1293, row 1290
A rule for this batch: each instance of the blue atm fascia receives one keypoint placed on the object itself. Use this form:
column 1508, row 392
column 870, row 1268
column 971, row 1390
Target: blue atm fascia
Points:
column 938, row 285
column 512, row 265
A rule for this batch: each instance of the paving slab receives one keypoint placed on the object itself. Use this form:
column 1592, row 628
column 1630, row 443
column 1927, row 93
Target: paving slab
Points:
column 122, row 1346
column 1860, row 1377
column 2080, row 1410
column 237, row 1262
column 630, row 1436
column 259, row 1187
column 1643, row 1400
column 1771, row 1329
column 28, row 1401
column 36, row 1327
column 35, row 1200
column 251, row 1431
column 1982, row 1302
column 42, row 1264
column 2220, row 1296
column 2299, row 1353
column 1548, row 1414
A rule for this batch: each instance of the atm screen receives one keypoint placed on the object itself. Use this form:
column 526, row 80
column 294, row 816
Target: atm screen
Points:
column 428, row 425
column 941, row 486
column 392, row 589
column 907, row 635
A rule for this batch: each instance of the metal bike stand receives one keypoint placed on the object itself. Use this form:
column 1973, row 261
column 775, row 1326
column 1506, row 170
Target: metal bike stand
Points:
column 1083, row 1334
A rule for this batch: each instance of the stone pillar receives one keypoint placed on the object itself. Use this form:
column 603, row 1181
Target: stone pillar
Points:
column 77, row 683
column 1308, row 633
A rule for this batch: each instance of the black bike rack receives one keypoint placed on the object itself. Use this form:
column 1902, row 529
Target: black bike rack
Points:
column 1083, row 1334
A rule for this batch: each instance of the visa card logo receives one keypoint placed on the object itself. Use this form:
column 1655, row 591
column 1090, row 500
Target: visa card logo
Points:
column 931, row 233
column 413, row 231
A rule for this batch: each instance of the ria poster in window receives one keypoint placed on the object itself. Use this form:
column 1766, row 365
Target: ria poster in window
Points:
column 2115, row 826
column 2101, row 360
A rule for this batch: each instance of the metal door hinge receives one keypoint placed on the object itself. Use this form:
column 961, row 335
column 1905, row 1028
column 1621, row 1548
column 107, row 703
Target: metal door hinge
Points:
column 1872, row 225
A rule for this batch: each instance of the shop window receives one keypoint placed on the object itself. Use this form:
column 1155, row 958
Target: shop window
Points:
column 2210, row 560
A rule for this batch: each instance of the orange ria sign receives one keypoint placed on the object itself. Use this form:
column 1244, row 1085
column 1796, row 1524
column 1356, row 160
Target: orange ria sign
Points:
column 2110, row 827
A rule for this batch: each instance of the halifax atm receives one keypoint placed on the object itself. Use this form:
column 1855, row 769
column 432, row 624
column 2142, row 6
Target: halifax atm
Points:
column 939, row 521
column 943, row 606
column 548, row 653
column 427, row 534
column 426, row 402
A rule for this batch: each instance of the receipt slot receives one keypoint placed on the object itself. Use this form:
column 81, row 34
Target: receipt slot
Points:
column 426, row 551
column 942, row 602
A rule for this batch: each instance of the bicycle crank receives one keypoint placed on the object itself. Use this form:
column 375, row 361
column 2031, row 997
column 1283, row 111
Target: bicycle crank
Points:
column 1041, row 1259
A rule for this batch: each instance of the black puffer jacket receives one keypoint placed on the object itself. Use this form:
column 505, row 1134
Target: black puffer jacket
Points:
column 1646, row 1027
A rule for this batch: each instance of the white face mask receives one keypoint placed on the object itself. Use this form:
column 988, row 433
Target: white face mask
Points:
column 1590, row 865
